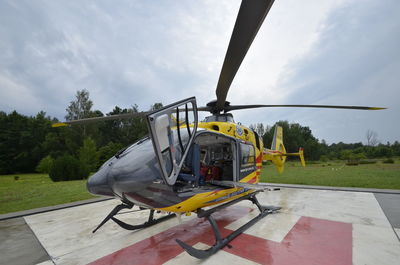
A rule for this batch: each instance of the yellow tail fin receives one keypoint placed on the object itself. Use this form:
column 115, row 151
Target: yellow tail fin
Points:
column 277, row 141
column 277, row 154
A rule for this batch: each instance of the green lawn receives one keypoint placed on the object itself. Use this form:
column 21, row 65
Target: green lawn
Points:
column 379, row 175
column 37, row 190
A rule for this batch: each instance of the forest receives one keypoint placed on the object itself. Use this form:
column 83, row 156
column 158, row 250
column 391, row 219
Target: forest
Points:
column 29, row 143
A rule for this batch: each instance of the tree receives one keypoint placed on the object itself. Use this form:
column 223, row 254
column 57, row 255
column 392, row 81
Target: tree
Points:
column 21, row 140
column 54, row 143
column 294, row 137
column 156, row 106
column 80, row 107
column 383, row 151
column 45, row 164
column 396, row 148
column 107, row 151
column 123, row 131
column 372, row 138
column 347, row 155
column 67, row 167
column 259, row 129
column 88, row 154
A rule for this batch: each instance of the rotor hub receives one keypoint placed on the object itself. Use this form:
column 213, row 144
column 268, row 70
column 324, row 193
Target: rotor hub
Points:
column 213, row 106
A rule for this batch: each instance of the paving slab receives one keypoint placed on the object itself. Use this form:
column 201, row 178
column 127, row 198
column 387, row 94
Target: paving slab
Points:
column 18, row 244
column 390, row 204
column 313, row 227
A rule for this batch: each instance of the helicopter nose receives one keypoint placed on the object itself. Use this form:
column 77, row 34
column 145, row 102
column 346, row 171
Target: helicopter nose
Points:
column 98, row 184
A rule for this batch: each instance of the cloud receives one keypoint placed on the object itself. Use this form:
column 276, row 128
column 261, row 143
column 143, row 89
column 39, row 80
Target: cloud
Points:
column 142, row 52
column 350, row 52
column 354, row 61
column 123, row 53
column 16, row 94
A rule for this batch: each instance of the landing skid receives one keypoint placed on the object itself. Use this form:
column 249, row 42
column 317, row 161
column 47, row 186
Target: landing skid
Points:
column 222, row 242
column 151, row 221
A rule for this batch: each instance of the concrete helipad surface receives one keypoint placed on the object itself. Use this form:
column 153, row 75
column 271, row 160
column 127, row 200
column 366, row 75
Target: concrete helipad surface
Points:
column 313, row 227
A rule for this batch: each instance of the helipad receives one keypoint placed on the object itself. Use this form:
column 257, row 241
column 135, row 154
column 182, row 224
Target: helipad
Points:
column 313, row 227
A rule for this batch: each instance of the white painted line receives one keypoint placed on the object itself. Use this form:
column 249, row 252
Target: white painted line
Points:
column 273, row 227
column 67, row 234
column 348, row 207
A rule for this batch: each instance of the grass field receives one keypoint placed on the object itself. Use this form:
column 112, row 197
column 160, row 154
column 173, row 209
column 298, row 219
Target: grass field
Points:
column 37, row 190
column 379, row 175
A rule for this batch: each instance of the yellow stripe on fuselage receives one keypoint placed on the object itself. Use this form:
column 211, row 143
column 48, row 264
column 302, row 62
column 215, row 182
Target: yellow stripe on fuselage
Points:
column 210, row 198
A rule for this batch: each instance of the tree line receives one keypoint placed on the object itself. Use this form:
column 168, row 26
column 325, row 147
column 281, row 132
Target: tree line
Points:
column 29, row 143
column 296, row 136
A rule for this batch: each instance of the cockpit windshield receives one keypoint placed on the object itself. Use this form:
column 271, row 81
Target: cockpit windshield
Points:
column 172, row 129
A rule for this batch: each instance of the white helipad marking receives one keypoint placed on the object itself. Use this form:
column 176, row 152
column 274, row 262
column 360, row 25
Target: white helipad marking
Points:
column 349, row 207
column 67, row 234
column 67, row 237
column 275, row 226
column 373, row 239
column 221, row 257
column 374, row 245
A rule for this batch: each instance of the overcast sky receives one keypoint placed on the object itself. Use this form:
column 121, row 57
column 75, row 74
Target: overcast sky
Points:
column 339, row 52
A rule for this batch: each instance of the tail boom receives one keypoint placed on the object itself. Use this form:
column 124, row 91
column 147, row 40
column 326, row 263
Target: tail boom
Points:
column 277, row 154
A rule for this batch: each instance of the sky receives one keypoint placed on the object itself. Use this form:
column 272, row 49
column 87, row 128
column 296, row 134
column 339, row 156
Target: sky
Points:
column 336, row 52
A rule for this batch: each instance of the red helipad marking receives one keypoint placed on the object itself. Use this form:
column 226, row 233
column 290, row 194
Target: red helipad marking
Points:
column 310, row 241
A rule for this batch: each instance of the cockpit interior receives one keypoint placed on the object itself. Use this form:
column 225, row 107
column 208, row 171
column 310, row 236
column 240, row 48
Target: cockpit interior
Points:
column 211, row 157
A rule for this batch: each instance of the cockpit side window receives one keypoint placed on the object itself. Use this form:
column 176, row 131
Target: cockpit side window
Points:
column 247, row 159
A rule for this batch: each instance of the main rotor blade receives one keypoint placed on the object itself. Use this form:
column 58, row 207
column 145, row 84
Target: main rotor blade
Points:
column 205, row 108
column 97, row 119
column 249, row 20
column 239, row 107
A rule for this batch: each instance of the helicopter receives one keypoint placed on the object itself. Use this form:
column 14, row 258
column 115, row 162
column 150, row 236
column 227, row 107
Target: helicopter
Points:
column 186, row 166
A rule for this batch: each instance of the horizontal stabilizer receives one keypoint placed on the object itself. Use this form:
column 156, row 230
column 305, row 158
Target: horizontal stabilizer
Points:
column 300, row 154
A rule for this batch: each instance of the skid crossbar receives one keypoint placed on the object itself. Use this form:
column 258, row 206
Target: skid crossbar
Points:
column 151, row 221
column 222, row 242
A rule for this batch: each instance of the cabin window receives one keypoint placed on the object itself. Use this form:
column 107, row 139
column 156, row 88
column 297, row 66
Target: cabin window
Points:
column 216, row 160
column 247, row 159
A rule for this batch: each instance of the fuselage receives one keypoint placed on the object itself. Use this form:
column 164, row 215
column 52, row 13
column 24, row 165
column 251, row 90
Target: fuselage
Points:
column 229, row 151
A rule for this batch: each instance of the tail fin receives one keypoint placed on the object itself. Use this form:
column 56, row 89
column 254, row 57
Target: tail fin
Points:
column 277, row 141
column 277, row 154
column 277, row 151
column 301, row 154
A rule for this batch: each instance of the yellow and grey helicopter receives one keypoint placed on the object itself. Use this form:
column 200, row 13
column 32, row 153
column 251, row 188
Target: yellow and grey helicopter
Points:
column 184, row 165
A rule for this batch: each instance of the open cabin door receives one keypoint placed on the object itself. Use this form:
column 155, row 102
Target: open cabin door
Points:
column 172, row 130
